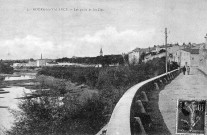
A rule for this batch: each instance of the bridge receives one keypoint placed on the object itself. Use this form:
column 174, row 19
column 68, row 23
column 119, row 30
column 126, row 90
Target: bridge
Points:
column 150, row 106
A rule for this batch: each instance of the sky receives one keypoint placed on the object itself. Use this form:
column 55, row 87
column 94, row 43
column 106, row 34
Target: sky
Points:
column 66, row 28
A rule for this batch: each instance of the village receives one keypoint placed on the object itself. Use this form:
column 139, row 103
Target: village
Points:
column 190, row 54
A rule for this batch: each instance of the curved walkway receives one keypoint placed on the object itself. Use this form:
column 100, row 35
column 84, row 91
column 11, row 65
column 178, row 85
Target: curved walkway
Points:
column 193, row 86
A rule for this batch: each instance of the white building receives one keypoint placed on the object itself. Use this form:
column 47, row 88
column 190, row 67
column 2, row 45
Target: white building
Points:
column 150, row 56
column 173, row 48
column 203, row 56
column 15, row 65
column 32, row 64
column 134, row 56
column 189, row 57
column 177, row 57
column 173, row 53
column 51, row 64
column 42, row 62
column 195, row 57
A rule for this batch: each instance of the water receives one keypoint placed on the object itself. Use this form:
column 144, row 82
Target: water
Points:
column 22, row 77
column 8, row 100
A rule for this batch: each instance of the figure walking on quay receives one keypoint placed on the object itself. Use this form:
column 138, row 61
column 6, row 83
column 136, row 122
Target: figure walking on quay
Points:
column 184, row 69
column 188, row 70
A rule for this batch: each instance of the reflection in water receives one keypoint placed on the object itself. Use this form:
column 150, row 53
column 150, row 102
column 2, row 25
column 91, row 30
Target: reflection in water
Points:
column 22, row 77
column 6, row 119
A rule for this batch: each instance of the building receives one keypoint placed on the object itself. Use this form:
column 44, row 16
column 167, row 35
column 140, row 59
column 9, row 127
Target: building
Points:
column 134, row 56
column 189, row 57
column 173, row 48
column 32, row 63
column 42, row 62
column 151, row 55
column 156, row 52
column 203, row 55
column 195, row 57
column 173, row 53
column 176, row 57
column 51, row 63
column 197, row 46
column 17, row 65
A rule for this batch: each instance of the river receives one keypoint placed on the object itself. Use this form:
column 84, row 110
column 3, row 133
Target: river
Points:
column 9, row 101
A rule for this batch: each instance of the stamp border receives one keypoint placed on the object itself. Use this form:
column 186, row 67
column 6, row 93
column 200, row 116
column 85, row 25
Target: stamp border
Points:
column 205, row 117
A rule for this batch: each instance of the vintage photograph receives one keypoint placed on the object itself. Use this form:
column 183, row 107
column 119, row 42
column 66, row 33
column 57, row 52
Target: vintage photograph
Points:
column 103, row 67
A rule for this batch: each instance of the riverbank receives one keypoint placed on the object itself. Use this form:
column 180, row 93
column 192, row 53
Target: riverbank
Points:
column 12, row 88
column 55, row 98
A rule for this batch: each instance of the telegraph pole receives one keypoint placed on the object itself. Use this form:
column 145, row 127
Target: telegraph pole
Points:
column 166, row 50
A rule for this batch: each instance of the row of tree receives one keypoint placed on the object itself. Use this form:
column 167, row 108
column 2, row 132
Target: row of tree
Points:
column 104, row 60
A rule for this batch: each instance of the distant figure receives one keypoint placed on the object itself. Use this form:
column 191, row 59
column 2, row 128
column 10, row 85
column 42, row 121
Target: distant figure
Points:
column 188, row 70
column 184, row 69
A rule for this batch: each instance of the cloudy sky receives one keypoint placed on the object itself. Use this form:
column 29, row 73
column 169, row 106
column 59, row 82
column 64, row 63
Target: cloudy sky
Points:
column 66, row 28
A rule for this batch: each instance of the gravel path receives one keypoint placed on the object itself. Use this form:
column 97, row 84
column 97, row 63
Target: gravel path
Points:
column 193, row 86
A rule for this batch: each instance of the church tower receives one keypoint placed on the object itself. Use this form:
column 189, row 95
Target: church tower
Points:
column 41, row 56
column 101, row 52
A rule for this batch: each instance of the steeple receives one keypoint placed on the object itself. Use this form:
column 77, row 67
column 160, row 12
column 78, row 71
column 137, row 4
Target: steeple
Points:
column 41, row 55
column 101, row 52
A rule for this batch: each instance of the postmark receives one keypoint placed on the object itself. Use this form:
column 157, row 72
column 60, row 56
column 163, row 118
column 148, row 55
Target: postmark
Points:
column 190, row 117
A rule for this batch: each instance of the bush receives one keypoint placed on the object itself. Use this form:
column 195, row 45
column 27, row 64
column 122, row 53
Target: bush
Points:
column 6, row 68
column 56, row 85
column 38, row 116
column 44, row 115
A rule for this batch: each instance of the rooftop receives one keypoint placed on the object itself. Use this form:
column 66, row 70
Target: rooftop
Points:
column 192, row 51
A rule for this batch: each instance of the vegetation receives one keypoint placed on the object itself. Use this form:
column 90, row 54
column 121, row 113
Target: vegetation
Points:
column 73, row 108
column 104, row 60
column 6, row 68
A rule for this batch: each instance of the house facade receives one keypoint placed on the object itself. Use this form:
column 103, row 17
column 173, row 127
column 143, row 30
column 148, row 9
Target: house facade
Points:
column 203, row 55
column 151, row 56
column 134, row 56
column 195, row 57
column 173, row 48
column 173, row 53
column 185, row 57
column 189, row 57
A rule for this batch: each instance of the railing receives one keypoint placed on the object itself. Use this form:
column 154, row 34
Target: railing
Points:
column 121, row 118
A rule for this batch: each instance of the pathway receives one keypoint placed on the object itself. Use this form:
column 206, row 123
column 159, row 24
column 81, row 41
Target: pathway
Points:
column 193, row 86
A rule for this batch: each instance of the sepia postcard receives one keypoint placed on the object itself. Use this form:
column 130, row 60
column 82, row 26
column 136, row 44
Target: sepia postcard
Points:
column 103, row 67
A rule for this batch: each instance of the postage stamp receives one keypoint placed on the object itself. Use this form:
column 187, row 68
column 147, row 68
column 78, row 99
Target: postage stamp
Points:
column 190, row 117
